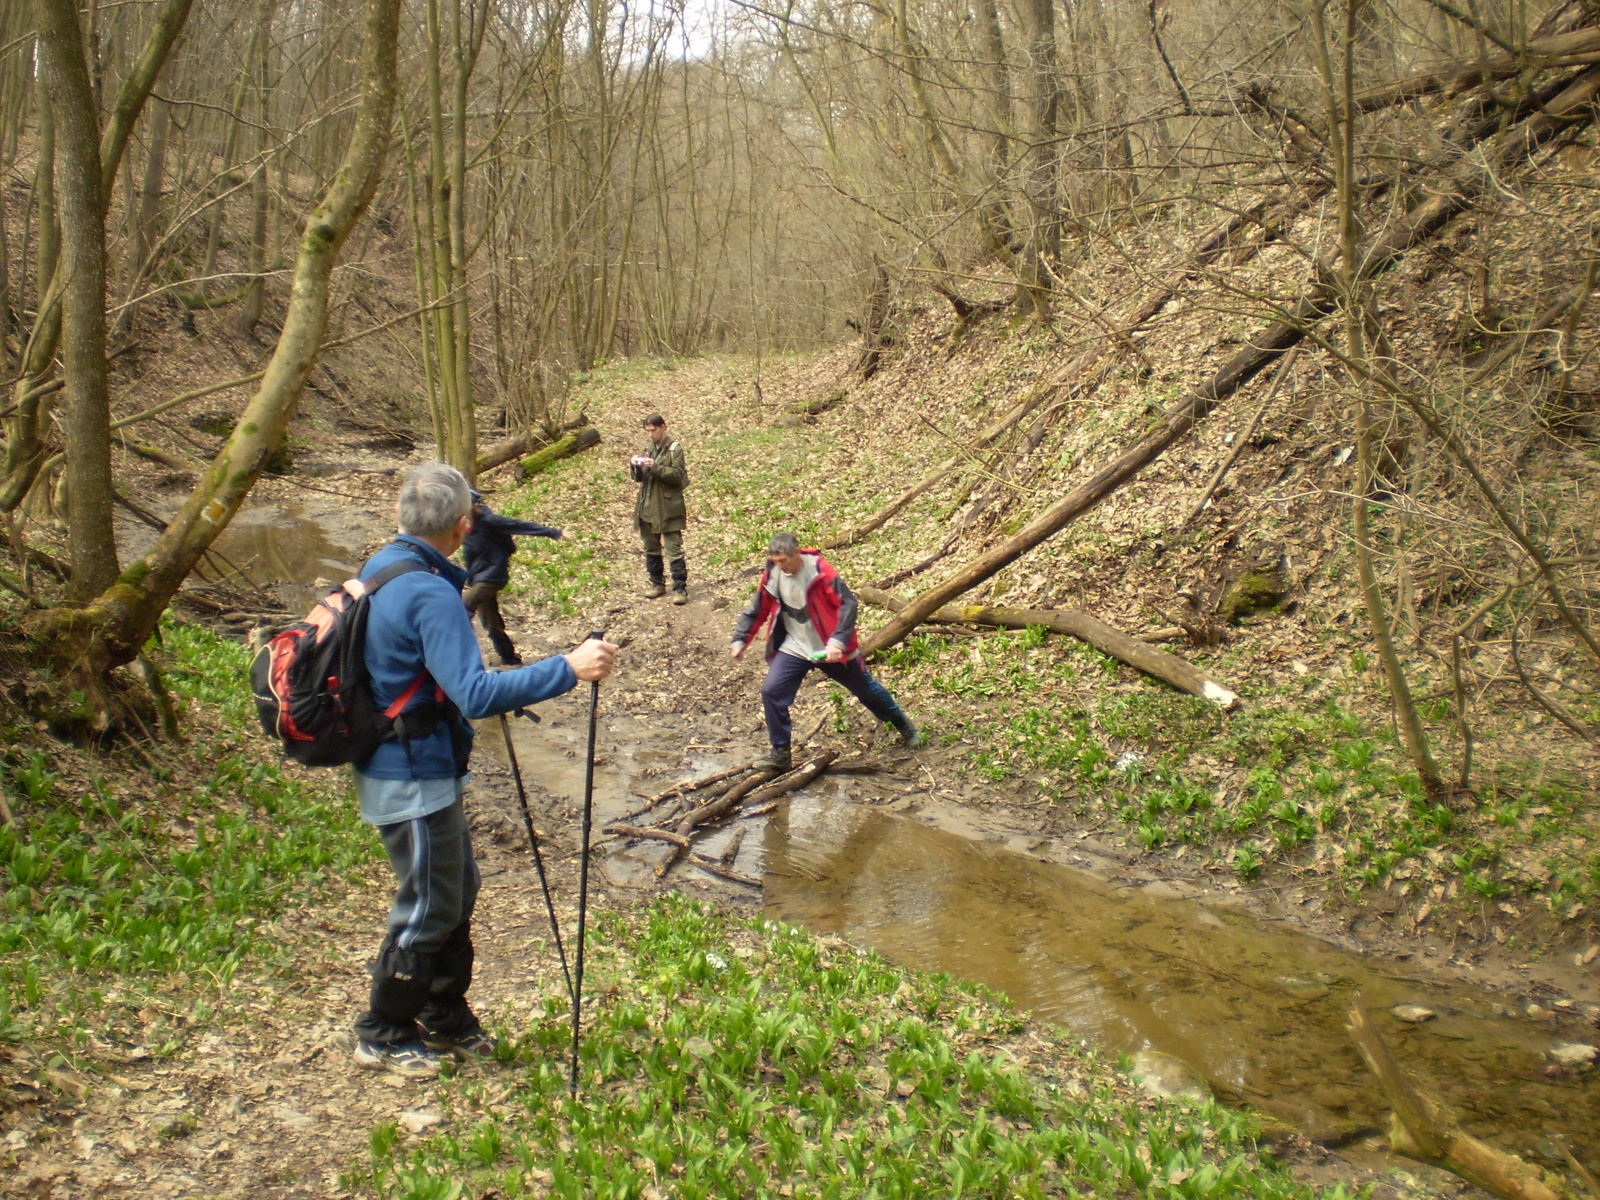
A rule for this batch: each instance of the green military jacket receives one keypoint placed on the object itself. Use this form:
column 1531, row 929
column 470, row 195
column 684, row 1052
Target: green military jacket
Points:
column 660, row 507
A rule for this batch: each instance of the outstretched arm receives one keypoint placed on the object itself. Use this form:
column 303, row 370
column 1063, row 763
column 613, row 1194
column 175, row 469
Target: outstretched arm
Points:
column 514, row 526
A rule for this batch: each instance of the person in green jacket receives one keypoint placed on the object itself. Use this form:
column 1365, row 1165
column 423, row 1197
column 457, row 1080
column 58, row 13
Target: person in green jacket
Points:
column 662, row 475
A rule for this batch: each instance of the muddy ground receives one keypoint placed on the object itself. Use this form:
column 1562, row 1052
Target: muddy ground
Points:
column 266, row 1103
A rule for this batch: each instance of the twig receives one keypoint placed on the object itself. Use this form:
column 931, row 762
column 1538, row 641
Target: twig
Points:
column 646, row 831
column 711, row 867
column 1244, row 438
column 1549, row 703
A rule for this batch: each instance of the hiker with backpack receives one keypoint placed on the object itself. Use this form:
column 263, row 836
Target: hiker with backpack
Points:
column 486, row 553
column 427, row 674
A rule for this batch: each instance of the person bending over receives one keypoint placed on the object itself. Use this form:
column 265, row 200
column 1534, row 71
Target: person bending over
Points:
column 486, row 553
column 421, row 652
column 813, row 615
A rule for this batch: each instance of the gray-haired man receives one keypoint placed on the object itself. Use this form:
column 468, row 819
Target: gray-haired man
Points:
column 422, row 654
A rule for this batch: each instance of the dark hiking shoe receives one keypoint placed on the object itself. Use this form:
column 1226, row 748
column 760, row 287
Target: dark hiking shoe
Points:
column 778, row 758
column 913, row 737
column 413, row 1059
column 475, row 1046
column 655, row 591
column 680, row 596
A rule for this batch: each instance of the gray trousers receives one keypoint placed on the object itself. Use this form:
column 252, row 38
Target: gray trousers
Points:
column 424, row 966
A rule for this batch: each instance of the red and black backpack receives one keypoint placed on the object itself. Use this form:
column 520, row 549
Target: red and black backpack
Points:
column 311, row 685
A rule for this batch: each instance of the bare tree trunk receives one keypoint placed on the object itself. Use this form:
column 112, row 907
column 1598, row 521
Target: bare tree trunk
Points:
column 150, row 188
column 87, row 427
column 111, row 630
column 255, row 291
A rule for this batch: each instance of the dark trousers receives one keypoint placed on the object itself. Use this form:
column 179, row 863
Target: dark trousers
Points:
column 424, row 966
column 483, row 601
column 784, row 675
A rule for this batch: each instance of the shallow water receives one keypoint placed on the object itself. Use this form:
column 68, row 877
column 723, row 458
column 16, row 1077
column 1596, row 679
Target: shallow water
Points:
column 1258, row 1011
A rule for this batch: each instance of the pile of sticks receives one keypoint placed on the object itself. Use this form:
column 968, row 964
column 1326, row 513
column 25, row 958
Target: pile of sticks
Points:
column 689, row 810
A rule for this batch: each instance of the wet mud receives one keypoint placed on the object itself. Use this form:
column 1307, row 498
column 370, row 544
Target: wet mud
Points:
column 1255, row 1008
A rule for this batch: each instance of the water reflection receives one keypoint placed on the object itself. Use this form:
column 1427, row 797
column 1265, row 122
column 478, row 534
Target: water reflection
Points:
column 1258, row 1011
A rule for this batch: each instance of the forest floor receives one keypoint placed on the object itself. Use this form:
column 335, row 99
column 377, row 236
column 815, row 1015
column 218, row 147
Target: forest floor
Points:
column 237, row 1080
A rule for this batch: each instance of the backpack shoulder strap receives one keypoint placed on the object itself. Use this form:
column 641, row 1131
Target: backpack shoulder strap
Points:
column 394, row 570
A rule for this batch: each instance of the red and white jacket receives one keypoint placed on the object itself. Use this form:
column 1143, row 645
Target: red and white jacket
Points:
column 829, row 602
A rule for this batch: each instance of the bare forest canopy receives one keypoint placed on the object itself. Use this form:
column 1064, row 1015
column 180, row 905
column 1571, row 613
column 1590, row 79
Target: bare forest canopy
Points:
column 499, row 195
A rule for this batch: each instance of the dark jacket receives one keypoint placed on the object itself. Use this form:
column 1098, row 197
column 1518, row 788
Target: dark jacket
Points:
column 829, row 602
column 660, row 507
column 488, row 548
column 417, row 623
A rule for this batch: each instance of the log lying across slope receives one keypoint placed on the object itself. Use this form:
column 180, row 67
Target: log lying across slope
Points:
column 1168, row 668
column 1451, row 196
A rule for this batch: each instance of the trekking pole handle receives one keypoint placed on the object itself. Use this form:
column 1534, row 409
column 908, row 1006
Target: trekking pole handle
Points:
column 596, row 635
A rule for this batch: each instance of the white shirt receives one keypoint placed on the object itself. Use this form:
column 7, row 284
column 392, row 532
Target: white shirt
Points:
column 800, row 637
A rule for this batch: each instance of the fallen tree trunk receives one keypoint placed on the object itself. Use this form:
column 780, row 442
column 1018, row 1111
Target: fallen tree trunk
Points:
column 810, row 408
column 499, row 456
column 1205, row 250
column 1564, row 49
column 573, row 443
column 1422, row 1128
column 1563, row 111
column 1168, row 668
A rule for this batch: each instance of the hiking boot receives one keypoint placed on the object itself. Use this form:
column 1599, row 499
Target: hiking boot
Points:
column 413, row 1059
column 477, row 1045
column 680, row 581
column 913, row 737
column 656, row 590
column 679, row 596
column 778, row 758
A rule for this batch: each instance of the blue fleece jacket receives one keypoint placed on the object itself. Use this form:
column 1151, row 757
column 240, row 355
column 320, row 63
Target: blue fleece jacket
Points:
column 417, row 622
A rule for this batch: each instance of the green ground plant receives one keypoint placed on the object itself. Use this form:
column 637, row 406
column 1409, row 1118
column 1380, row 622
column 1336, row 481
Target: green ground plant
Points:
column 105, row 887
column 733, row 1058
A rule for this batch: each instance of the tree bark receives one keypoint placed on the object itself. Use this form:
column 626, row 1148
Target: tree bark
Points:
column 111, row 630
column 1168, row 668
column 86, row 430
column 1454, row 194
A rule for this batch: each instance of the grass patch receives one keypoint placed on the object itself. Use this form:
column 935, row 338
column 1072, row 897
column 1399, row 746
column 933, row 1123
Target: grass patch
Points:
column 127, row 878
column 731, row 1058
column 1281, row 779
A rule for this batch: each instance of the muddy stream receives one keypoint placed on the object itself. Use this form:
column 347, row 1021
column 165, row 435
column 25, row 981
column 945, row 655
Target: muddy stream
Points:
column 1255, row 1010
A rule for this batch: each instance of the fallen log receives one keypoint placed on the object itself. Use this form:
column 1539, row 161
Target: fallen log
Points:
column 1451, row 196
column 576, row 441
column 1168, row 668
column 811, row 408
column 499, row 456
column 1422, row 1128
column 1564, row 49
column 722, row 803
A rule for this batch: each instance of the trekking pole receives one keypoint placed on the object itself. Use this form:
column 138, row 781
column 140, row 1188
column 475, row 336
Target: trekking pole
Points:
column 598, row 635
column 533, row 840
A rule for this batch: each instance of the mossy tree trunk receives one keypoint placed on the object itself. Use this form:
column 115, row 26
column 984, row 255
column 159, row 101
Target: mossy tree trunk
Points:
column 111, row 629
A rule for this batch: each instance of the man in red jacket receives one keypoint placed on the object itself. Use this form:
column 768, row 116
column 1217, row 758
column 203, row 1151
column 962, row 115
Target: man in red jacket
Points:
column 813, row 616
